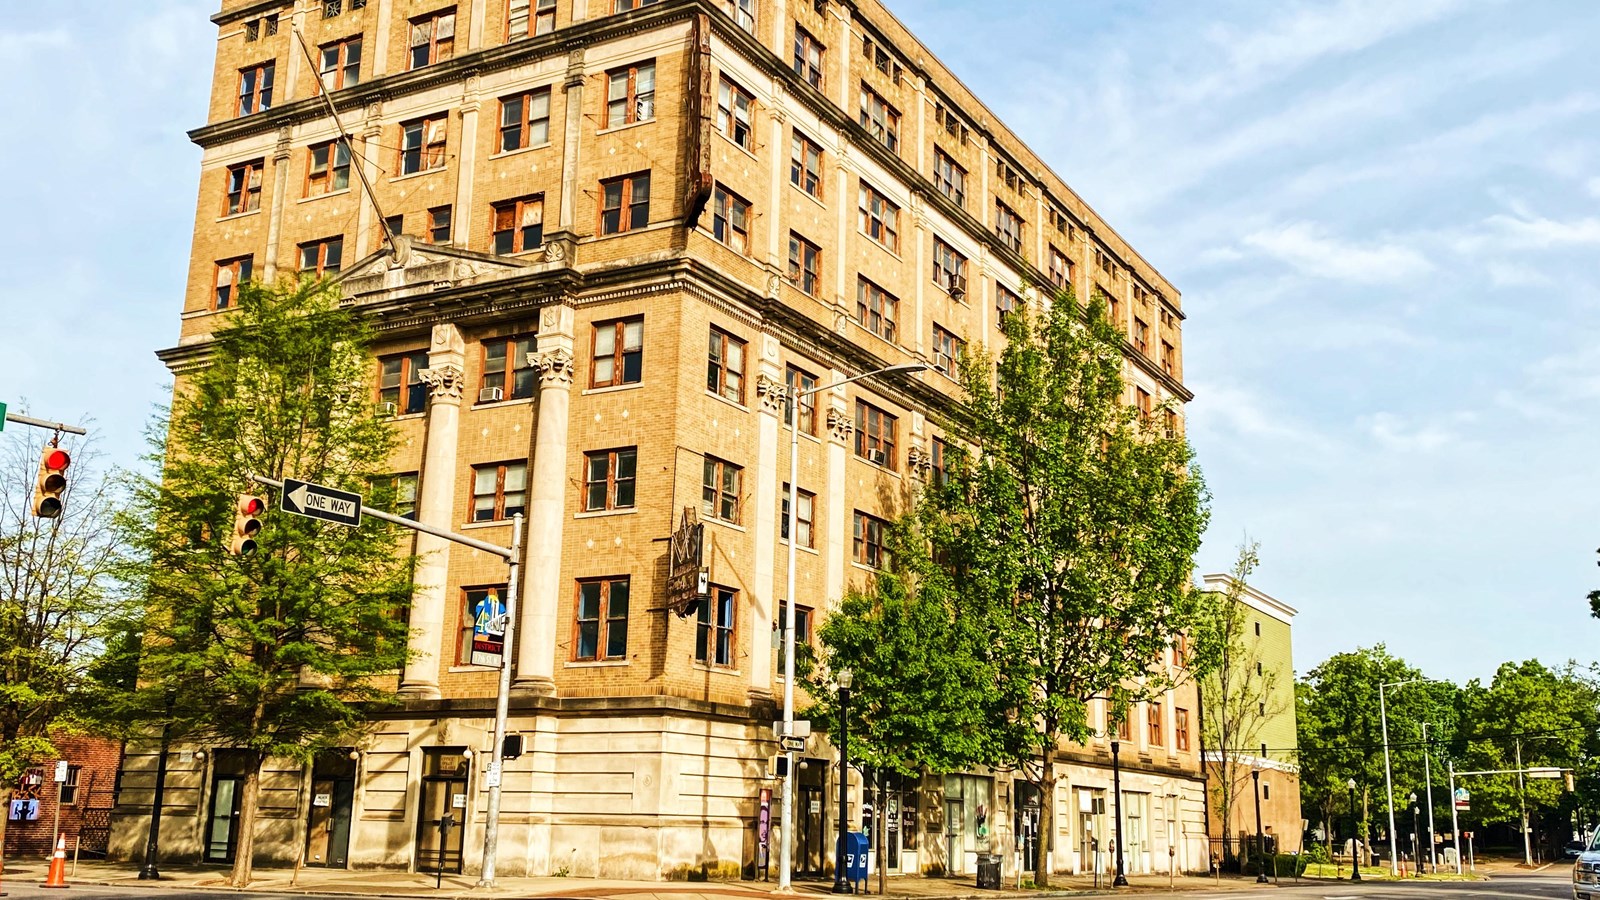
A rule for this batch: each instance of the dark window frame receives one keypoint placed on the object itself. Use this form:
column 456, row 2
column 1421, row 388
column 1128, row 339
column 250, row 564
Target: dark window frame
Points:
column 616, row 490
column 620, row 355
column 724, row 378
column 498, row 512
column 628, row 209
column 877, row 431
column 518, row 380
column 722, row 491
column 606, row 620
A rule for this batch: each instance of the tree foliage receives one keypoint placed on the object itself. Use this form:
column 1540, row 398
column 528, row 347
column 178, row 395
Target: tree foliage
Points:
column 279, row 653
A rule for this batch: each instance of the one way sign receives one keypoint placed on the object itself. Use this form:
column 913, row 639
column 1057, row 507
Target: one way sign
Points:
column 317, row 502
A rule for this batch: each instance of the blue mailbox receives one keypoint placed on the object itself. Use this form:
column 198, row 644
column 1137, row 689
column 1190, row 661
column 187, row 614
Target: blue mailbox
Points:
column 855, row 856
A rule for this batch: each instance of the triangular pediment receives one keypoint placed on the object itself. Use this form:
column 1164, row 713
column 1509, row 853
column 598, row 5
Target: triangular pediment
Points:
column 413, row 268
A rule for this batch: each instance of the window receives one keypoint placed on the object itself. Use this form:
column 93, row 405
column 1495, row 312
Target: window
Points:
column 433, row 38
column 875, row 435
column 1008, row 225
column 1258, row 629
column 725, row 366
column 805, row 165
column 805, row 265
column 601, row 623
column 230, row 274
column 1258, row 669
column 951, row 123
column 1167, row 355
column 800, row 384
column 1266, row 791
column 439, row 225
column 396, row 224
column 949, row 177
column 802, row 630
column 69, row 788
column 805, row 511
column 631, row 96
column 322, row 257
column 252, row 30
column 880, row 58
column 1141, row 336
column 719, row 490
column 1113, row 307
column 499, row 491
column 949, row 268
column 742, row 11
column 422, row 145
column 625, row 203
column 1142, row 400
column 1006, row 301
column 1152, row 715
column 328, row 169
column 1180, row 728
column 1261, row 707
column 506, row 368
column 255, row 88
column 1180, row 650
column 470, row 599
column 608, row 479
column 1124, row 729
column 808, row 57
column 876, row 309
column 880, row 218
column 881, row 119
column 332, row 8
column 525, row 120
column 868, row 544
column 1060, row 269
column 618, row 353
column 398, row 493
column 544, row 18
column 400, row 382
column 625, row 5
column 713, row 640
column 734, row 108
column 341, row 63
column 518, row 225
column 1171, row 429
column 947, row 350
column 730, row 219
column 941, row 474
column 244, row 188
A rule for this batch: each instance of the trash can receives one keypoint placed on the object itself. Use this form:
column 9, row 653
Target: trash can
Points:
column 989, row 871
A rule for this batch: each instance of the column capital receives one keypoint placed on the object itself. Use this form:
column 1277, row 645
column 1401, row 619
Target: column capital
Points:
column 445, row 382
column 772, row 393
column 555, row 367
column 919, row 461
column 840, row 425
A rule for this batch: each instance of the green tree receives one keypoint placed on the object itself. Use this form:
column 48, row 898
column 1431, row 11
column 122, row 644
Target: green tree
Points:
column 281, row 652
column 1069, row 527
column 60, row 598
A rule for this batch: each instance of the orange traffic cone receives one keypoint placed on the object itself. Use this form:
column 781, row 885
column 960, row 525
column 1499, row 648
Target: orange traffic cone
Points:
column 58, row 865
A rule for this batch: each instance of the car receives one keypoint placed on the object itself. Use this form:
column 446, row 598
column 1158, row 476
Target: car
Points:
column 1572, row 850
column 1586, row 872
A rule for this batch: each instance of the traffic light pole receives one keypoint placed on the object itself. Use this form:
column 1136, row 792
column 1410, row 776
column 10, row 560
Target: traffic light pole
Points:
column 42, row 423
column 513, row 557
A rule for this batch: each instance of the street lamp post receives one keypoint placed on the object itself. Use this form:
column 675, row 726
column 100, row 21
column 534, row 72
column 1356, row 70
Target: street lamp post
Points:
column 1388, row 777
column 153, row 844
column 841, row 885
column 786, row 818
column 1355, row 834
column 1427, row 780
column 1255, row 778
column 1416, row 835
column 1121, row 880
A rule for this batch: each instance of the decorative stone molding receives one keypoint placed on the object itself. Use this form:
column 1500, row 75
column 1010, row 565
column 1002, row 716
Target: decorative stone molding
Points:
column 840, row 426
column 919, row 461
column 444, row 382
column 772, row 393
column 555, row 367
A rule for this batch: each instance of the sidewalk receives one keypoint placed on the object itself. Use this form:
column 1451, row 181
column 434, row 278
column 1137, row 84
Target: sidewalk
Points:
column 384, row 883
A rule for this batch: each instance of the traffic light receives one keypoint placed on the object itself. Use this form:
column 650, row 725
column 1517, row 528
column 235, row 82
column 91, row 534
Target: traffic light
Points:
column 52, row 483
column 247, row 512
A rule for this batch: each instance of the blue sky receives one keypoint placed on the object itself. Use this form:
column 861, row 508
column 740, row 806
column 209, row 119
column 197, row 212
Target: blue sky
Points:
column 1384, row 218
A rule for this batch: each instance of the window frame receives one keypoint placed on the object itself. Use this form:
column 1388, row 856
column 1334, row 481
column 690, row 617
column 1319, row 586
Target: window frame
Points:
column 797, row 381
column 879, row 217
column 345, row 72
column 950, row 177
column 949, row 267
column 877, row 310
column 499, row 495
column 877, row 431
column 240, row 269
column 1156, row 725
column 867, row 540
column 1060, row 268
column 732, row 100
column 619, row 353
column 880, row 119
column 536, row 13
column 518, row 208
column 805, row 265
column 613, row 481
column 805, row 517
column 261, row 76
column 467, row 622
column 328, row 181
column 605, row 619
column 629, row 206
column 1180, row 729
column 323, row 246
column 803, row 151
column 514, row 364
column 719, row 368
column 630, row 112
column 803, row 617
column 68, row 795
column 725, row 487
column 806, row 46
column 430, row 155
column 1006, row 301
column 432, row 20
column 947, row 351
column 728, row 211
column 247, row 199
column 440, row 221
column 1141, row 336
column 409, row 386
column 1009, row 226
column 525, row 120
column 716, row 642
column 405, row 509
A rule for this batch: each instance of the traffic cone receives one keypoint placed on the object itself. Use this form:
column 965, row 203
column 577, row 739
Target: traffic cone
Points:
column 58, row 865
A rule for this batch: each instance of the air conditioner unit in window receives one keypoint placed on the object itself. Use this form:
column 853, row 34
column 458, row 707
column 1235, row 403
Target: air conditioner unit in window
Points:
column 877, row 456
column 644, row 109
column 490, row 395
column 387, row 410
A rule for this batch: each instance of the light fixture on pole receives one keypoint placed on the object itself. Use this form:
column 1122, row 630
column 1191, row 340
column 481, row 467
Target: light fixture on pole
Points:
column 841, row 884
column 1427, row 780
column 786, row 815
column 1388, row 777
column 1416, row 835
column 1355, row 833
column 1121, row 879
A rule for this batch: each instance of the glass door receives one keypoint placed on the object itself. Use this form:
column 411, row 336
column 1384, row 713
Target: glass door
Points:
column 333, row 790
column 442, row 810
column 812, row 821
column 227, row 789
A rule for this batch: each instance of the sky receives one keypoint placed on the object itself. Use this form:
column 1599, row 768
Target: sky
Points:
column 1384, row 218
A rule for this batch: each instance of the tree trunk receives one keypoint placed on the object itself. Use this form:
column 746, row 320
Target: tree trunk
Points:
column 883, row 825
column 5, row 815
column 1047, row 819
column 245, row 842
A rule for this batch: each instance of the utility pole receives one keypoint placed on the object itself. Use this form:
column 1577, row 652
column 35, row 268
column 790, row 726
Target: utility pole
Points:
column 1388, row 776
column 1427, row 780
column 1455, row 819
column 1522, row 800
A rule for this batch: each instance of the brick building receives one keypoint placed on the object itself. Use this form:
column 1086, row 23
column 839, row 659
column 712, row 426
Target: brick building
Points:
column 628, row 228
column 86, row 798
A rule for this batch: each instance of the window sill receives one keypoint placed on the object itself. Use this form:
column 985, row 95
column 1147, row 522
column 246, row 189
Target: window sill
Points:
column 617, row 128
column 456, row 670
column 714, row 670
column 865, row 568
column 605, row 513
column 528, row 149
column 894, row 473
column 406, row 417
column 339, row 193
column 595, row 663
column 497, row 523
column 810, row 196
column 422, row 174
column 742, row 148
column 881, row 245
column 240, row 215
column 784, row 542
column 712, row 236
column 496, row 404
column 721, row 399
column 612, row 388
column 726, row 524
column 804, row 434
column 653, row 226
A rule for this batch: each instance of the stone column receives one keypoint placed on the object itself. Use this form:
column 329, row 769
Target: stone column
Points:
column 841, row 430
column 436, row 500
column 776, row 243
column 921, row 331
column 572, row 140
column 280, row 190
column 466, row 163
column 547, row 507
column 380, row 44
column 770, row 460
column 366, row 221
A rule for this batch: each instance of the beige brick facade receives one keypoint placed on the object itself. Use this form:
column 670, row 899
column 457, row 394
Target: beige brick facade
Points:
column 650, row 765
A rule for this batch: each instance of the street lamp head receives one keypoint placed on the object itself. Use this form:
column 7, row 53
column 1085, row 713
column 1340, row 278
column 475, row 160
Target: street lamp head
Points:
column 904, row 367
column 844, row 678
column 1351, row 784
column 1413, row 796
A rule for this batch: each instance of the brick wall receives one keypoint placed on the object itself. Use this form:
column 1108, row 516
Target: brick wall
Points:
column 86, row 811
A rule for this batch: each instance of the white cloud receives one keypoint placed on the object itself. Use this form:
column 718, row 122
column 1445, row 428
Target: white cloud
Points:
column 1539, row 233
column 1306, row 247
column 1511, row 274
column 1395, row 434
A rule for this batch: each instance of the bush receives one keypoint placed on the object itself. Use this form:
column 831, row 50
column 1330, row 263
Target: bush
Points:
column 1316, row 853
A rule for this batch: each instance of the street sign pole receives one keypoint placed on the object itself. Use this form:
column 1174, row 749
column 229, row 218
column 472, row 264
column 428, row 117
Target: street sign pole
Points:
column 1455, row 819
column 39, row 423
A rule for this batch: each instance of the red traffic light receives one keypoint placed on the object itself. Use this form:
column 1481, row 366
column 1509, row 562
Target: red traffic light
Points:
column 56, row 459
column 48, row 501
column 246, row 523
column 252, row 506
